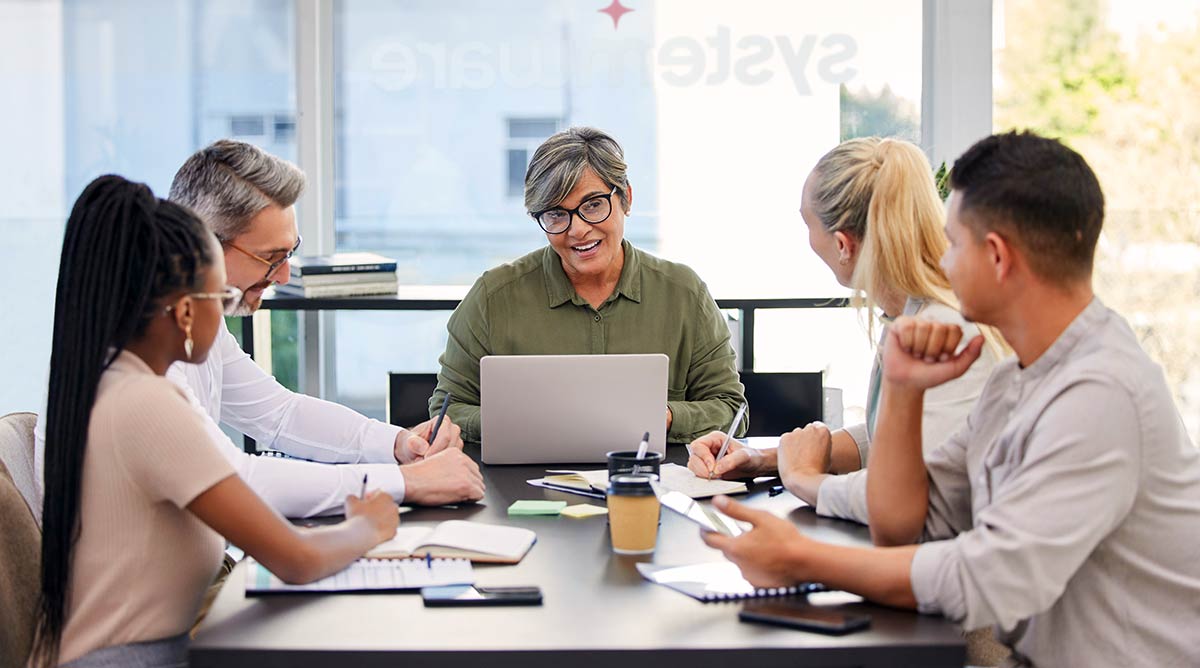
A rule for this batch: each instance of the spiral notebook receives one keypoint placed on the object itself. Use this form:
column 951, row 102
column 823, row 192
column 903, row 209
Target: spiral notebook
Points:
column 366, row 575
column 716, row 581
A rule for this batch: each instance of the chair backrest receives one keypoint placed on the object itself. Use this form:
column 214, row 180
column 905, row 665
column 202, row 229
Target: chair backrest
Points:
column 20, row 573
column 16, row 451
column 408, row 397
column 780, row 402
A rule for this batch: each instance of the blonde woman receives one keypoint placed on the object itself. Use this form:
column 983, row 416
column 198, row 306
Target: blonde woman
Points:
column 875, row 218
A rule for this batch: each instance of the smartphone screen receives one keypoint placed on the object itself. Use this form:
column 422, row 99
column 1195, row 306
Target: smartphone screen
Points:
column 799, row 614
column 708, row 518
column 468, row 595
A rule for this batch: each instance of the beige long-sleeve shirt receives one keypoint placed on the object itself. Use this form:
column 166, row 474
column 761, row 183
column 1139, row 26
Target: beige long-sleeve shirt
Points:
column 1067, row 511
column 946, row 409
column 142, row 561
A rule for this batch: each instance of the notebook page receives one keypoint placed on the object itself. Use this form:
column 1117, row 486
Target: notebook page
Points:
column 369, row 574
column 594, row 479
column 402, row 544
column 503, row 541
column 680, row 479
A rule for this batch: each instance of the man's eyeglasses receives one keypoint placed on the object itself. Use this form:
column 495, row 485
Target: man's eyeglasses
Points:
column 230, row 297
column 271, row 266
column 593, row 210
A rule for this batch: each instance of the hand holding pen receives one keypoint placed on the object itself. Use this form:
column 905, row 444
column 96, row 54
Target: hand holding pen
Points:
column 429, row 437
column 377, row 508
column 737, row 419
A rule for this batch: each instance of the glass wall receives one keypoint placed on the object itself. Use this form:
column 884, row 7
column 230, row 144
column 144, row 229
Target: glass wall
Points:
column 721, row 108
column 1118, row 81
column 131, row 87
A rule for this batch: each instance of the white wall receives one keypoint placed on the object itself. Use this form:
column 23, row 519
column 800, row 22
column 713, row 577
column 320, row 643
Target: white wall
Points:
column 31, row 191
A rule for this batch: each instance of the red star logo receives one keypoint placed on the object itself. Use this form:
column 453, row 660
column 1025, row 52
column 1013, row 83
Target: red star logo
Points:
column 616, row 10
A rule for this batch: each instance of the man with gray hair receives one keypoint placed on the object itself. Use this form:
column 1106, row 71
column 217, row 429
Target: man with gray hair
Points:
column 246, row 196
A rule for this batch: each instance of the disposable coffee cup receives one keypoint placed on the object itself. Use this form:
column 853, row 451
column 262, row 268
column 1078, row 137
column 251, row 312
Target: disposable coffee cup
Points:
column 632, row 514
column 626, row 462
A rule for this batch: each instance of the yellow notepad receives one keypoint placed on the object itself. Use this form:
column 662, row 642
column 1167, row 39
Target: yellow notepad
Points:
column 584, row 510
column 481, row 543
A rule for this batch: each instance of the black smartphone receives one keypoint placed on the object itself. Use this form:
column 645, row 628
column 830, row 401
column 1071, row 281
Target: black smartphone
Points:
column 799, row 614
column 468, row 595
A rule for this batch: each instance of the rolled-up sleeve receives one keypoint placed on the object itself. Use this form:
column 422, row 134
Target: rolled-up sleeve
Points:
column 862, row 440
column 714, row 391
column 844, row 496
column 1048, row 509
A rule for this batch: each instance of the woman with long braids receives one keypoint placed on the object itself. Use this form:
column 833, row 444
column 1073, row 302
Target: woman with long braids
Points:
column 137, row 497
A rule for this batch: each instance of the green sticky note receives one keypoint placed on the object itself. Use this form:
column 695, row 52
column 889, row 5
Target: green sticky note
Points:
column 529, row 507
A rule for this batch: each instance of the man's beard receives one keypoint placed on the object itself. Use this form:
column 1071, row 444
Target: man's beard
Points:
column 251, row 299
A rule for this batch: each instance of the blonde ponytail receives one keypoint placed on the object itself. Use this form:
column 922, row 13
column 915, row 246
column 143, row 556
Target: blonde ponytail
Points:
column 882, row 193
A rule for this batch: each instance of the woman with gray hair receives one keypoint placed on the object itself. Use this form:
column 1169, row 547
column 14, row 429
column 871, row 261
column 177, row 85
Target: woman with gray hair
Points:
column 589, row 291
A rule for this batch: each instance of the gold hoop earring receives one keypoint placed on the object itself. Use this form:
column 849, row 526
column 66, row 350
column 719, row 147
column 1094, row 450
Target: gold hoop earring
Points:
column 188, row 344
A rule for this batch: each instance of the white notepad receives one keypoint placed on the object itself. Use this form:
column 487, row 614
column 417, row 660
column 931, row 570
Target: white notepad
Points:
column 715, row 581
column 367, row 575
column 672, row 476
column 486, row 543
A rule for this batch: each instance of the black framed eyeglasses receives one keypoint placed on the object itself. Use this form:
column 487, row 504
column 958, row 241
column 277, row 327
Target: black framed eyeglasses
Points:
column 593, row 210
column 271, row 266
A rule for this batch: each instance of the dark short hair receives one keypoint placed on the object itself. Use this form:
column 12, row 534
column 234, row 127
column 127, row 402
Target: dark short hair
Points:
column 1038, row 193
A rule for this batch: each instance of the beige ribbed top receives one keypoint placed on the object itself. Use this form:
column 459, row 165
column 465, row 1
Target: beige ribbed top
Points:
column 142, row 561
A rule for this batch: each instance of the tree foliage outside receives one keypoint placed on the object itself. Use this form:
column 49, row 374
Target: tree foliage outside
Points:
column 1134, row 114
column 882, row 114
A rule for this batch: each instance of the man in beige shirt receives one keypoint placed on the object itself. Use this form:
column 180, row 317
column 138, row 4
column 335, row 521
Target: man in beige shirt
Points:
column 1065, row 512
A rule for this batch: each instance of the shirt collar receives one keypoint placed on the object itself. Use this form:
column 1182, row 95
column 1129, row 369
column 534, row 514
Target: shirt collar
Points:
column 1088, row 320
column 559, row 290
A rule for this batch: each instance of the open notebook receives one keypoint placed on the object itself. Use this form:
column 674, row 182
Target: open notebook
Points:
column 482, row 543
column 715, row 581
column 366, row 575
column 673, row 476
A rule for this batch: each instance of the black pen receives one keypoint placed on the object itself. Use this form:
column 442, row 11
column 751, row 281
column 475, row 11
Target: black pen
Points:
column 364, row 489
column 438, row 425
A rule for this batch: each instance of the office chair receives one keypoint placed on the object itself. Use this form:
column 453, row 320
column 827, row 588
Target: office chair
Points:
column 20, row 572
column 16, row 452
column 408, row 397
column 780, row 402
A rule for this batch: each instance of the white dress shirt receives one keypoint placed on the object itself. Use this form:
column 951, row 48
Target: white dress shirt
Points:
column 946, row 409
column 229, row 387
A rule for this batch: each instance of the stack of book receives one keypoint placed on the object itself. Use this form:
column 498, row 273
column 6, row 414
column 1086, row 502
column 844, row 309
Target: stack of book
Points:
column 340, row 275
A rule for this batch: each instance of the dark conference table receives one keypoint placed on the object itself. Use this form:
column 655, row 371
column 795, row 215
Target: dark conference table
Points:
column 597, row 611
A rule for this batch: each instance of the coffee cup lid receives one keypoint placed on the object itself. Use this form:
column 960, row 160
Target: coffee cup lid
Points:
column 631, row 484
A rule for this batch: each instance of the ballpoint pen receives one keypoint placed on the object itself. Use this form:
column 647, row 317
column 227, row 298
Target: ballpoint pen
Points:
column 737, row 419
column 441, row 415
column 643, row 445
column 364, row 488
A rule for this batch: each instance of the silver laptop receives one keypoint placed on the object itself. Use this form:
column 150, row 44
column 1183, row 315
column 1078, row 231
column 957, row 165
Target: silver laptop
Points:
column 558, row 409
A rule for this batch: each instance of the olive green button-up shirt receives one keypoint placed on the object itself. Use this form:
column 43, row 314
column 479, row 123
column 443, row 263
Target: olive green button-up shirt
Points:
column 529, row 307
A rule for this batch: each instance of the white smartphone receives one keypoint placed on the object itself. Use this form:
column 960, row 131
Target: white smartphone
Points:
column 709, row 519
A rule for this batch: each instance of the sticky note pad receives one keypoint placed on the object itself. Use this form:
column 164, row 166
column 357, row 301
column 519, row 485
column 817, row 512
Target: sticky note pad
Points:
column 584, row 510
column 530, row 507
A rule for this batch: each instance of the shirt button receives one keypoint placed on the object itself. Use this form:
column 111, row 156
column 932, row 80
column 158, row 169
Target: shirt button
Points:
column 597, row 317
